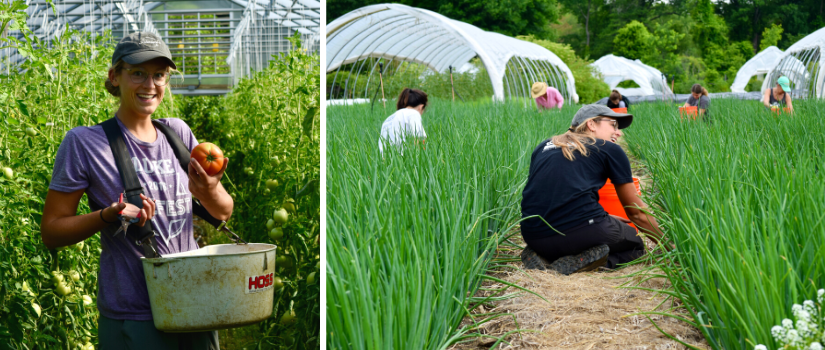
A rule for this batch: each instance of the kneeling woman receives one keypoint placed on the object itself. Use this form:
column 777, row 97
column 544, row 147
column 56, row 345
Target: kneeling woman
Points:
column 566, row 173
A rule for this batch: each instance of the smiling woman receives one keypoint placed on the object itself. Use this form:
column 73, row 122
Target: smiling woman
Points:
column 139, row 75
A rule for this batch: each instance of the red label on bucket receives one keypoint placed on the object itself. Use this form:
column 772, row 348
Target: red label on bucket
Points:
column 255, row 284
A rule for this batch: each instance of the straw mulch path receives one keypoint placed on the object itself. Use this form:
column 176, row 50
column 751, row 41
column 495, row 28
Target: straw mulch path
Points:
column 588, row 310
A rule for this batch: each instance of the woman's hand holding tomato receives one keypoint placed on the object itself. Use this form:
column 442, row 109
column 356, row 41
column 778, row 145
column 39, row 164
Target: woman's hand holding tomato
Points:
column 201, row 183
column 210, row 157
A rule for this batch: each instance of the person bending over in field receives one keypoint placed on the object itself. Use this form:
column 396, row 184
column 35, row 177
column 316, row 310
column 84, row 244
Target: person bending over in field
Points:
column 405, row 123
column 778, row 97
column 547, row 97
column 616, row 100
column 141, row 68
column 699, row 98
column 566, row 173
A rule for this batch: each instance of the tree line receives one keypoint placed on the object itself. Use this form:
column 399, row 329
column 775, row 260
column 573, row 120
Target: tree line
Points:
column 690, row 41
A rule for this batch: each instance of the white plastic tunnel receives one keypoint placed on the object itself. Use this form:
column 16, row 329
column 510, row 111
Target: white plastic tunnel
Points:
column 407, row 35
column 616, row 69
column 762, row 63
column 802, row 63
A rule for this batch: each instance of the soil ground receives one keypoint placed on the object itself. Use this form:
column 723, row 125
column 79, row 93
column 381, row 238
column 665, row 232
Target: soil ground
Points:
column 590, row 310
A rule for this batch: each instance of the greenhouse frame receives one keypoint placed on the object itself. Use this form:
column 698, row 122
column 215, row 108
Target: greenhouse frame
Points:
column 802, row 63
column 760, row 64
column 373, row 37
column 616, row 69
column 214, row 43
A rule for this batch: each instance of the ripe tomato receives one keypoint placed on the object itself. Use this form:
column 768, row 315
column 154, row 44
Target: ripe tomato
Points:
column 209, row 156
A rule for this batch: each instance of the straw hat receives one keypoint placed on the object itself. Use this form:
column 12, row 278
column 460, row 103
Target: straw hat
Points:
column 538, row 89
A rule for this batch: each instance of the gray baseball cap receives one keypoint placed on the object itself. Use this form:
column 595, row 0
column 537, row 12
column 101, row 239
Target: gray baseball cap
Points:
column 140, row 47
column 595, row 110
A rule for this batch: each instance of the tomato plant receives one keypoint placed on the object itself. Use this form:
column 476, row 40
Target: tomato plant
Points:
column 59, row 87
column 209, row 156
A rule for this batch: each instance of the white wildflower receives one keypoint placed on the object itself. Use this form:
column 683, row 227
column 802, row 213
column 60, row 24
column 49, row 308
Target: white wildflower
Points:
column 760, row 347
column 815, row 346
column 820, row 295
column 803, row 328
column 778, row 333
column 793, row 338
column 795, row 309
column 787, row 323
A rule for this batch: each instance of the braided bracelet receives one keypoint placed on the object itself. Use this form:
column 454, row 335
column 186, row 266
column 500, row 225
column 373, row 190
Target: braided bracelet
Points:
column 104, row 220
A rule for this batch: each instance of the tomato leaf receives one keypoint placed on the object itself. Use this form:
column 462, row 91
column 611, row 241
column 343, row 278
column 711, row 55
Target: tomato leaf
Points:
column 23, row 108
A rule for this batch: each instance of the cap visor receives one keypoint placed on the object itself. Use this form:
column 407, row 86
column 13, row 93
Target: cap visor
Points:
column 623, row 119
column 144, row 56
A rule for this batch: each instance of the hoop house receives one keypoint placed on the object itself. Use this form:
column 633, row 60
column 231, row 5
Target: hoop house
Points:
column 214, row 43
column 396, row 37
column 802, row 64
column 616, row 69
column 762, row 63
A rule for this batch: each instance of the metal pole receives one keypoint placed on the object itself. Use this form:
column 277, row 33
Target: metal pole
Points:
column 381, row 77
column 452, row 87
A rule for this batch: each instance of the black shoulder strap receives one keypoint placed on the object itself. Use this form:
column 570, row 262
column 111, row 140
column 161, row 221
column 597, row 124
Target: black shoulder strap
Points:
column 143, row 235
column 183, row 155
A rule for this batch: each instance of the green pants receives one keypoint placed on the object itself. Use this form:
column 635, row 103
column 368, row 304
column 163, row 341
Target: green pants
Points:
column 134, row 335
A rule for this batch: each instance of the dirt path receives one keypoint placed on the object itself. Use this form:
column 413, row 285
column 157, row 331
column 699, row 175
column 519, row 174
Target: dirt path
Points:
column 589, row 310
column 586, row 311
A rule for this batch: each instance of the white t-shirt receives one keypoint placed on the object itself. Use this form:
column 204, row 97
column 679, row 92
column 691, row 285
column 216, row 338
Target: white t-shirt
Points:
column 404, row 122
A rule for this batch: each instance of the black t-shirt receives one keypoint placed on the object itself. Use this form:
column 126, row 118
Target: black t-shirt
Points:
column 566, row 193
column 610, row 104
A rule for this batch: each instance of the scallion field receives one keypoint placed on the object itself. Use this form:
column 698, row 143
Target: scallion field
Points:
column 410, row 237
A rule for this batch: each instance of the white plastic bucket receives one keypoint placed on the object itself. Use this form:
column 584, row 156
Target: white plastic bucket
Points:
column 215, row 287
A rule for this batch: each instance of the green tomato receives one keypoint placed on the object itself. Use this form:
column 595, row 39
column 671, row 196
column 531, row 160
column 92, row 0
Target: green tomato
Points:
column 271, row 184
column 280, row 216
column 87, row 300
column 289, row 205
column 75, row 276
column 270, row 224
column 277, row 283
column 8, row 173
column 283, row 261
column 288, row 317
column 31, row 132
column 276, row 233
column 63, row 289
column 79, row 245
column 311, row 278
column 57, row 278
column 36, row 309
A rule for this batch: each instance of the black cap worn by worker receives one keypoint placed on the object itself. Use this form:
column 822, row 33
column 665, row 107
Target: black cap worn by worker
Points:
column 595, row 110
column 140, row 47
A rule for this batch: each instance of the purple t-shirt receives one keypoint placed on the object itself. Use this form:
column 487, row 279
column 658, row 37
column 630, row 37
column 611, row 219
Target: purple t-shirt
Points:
column 85, row 162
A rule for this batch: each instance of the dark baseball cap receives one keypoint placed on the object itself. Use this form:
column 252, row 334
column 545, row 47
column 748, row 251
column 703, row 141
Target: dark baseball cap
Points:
column 595, row 110
column 140, row 47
